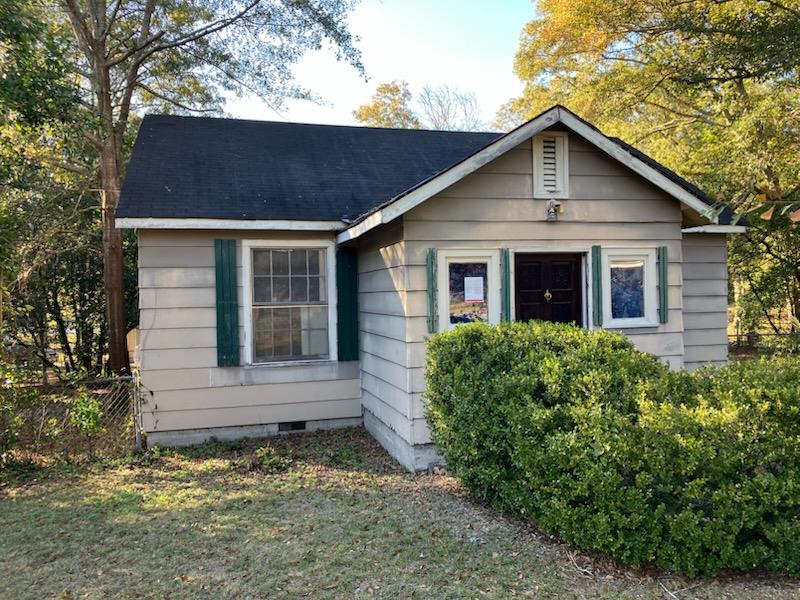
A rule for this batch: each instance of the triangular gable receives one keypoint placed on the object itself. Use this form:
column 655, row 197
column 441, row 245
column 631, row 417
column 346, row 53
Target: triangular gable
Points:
column 424, row 190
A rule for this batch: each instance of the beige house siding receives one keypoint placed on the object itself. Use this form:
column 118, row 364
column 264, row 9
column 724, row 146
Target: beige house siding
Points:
column 178, row 357
column 705, row 297
column 493, row 208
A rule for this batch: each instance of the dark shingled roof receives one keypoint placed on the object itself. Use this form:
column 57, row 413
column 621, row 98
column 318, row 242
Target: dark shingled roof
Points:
column 207, row 168
column 210, row 168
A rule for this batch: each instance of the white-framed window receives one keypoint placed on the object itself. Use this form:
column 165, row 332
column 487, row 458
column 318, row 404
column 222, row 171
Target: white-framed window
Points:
column 630, row 283
column 551, row 165
column 289, row 291
column 469, row 287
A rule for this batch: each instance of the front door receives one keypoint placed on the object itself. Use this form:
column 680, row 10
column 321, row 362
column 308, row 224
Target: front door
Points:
column 548, row 287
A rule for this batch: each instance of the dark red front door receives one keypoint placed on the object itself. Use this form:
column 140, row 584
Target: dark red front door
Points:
column 548, row 287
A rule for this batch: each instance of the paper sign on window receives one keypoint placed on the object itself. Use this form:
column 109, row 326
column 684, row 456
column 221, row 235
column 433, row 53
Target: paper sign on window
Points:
column 473, row 289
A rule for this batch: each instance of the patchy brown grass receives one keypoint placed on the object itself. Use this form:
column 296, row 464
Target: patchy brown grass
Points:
column 325, row 515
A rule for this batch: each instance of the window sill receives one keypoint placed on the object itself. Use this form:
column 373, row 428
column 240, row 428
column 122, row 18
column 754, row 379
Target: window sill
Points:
column 291, row 363
column 637, row 324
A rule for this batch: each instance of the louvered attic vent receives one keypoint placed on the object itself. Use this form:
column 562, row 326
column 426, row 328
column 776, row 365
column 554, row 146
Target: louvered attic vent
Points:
column 550, row 165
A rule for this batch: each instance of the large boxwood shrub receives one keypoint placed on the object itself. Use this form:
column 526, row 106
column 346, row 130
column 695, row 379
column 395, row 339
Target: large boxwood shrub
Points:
column 604, row 446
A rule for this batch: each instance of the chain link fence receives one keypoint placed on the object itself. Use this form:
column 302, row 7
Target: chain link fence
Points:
column 72, row 420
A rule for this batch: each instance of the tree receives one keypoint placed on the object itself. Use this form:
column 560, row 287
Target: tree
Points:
column 389, row 108
column 136, row 55
column 442, row 107
column 709, row 88
column 450, row 109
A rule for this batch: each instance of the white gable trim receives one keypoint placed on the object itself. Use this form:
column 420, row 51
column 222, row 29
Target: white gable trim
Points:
column 715, row 229
column 444, row 180
column 637, row 165
column 152, row 223
column 433, row 186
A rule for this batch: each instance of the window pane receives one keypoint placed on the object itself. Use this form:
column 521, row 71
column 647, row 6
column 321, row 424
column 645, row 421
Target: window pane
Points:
column 314, row 260
column 283, row 343
column 262, row 334
column 281, row 276
column 299, row 289
column 315, row 317
column 627, row 289
column 298, row 261
column 313, row 289
column 261, row 262
column 468, row 292
column 262, row 290
column 280, row 262
column 318, row 342
column 280, row 289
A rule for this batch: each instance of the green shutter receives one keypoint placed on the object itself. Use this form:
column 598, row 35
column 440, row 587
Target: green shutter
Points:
column 663, row 284
column 432, row 313
column 597, row 287
column 347, row 303
column 505, row 284
column 227, row 303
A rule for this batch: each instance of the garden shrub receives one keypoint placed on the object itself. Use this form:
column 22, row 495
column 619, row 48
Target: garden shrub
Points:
column 604, row 446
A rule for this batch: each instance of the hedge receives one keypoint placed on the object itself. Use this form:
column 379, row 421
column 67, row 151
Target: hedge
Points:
column 607, row 448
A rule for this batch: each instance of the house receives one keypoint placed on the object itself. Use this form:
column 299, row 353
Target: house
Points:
column 289, row 274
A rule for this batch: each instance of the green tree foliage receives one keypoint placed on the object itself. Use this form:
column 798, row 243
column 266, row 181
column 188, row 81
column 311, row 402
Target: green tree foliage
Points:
column 390, row 107
column 443, row 107
column 74, row 77
column 607, row 448
column 708, row 88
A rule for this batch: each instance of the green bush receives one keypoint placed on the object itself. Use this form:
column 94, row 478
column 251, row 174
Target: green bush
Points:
column 605, row 447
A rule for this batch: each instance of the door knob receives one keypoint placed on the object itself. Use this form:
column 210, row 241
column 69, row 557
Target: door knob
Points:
column 548, row 296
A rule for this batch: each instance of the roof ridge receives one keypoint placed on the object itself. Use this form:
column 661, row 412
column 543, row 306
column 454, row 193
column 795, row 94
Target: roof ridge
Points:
column 331, row 125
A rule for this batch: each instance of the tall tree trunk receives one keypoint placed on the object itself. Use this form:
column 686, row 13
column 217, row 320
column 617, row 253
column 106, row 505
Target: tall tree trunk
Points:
column 112, row 260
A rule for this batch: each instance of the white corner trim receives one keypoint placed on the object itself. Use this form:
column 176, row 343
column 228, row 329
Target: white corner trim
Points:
column 715, row 229
column 435, row 185
column 154, row 223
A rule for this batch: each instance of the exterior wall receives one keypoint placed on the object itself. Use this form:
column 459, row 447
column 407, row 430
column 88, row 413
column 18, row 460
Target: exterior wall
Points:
column 493, row 208
column 705, row 299
column 386, row 327
column 177, row 349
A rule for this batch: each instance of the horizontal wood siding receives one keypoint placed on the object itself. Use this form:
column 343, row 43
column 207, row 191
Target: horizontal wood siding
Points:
column 705, row 290
column 177, row 347
column 608, row 205
column 384, row 305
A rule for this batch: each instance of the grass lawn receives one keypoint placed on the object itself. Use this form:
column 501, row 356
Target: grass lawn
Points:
column 326, row 515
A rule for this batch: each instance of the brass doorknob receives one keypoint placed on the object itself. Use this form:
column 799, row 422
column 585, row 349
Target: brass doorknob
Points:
column 548, row 296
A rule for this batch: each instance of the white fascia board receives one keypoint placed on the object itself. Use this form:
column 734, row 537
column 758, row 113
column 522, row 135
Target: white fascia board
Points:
column 452, row 175
column 715, row 229
column 639, row 166
column 154, row 223
column 353, row 232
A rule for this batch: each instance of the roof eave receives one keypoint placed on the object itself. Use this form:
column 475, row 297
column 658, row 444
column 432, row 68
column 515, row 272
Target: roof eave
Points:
column 418, row 194
column 227, row 224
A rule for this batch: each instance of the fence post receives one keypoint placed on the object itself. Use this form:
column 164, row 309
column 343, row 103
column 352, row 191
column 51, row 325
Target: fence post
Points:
column 137, row 411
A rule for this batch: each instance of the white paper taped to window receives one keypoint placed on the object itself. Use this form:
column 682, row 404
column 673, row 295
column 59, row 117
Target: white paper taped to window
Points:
column 473, row 289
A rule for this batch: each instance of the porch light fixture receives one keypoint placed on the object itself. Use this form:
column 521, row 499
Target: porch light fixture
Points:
column 553, row 207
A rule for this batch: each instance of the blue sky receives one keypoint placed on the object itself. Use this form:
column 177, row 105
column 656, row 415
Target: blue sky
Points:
column 468, row 44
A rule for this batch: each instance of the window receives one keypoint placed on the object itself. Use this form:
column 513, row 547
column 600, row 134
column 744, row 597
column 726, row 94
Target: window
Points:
column 289, row 302
column 629, row 288
column 550, row 165
column 469, row 287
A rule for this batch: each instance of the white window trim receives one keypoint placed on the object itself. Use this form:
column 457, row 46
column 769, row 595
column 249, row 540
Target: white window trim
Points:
column 650, row 318
column 247, row 269
column 447, row 256
column 562, row 165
